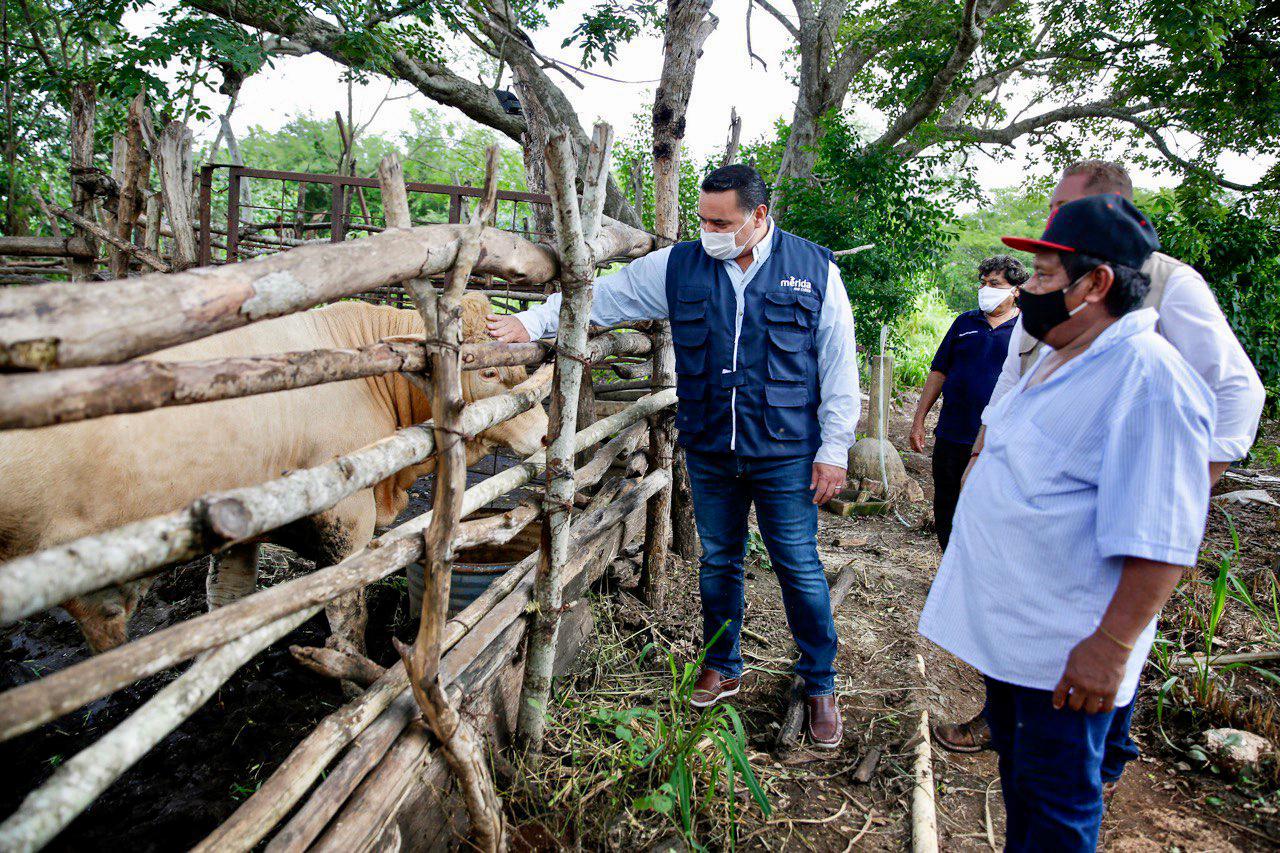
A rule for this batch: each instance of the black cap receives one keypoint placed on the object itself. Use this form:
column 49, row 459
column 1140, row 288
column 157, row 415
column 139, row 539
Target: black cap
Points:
column 1104, row 226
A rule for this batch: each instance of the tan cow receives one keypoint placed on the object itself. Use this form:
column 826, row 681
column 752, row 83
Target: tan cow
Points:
column 63, row 482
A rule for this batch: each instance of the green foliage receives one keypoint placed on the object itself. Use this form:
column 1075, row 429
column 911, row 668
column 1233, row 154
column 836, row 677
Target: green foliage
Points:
column 633, row 167
column 917, row 337
column 663, row 744
column 855, row 198
column 608, row 25
column 1012, row 211
column 1235, row 244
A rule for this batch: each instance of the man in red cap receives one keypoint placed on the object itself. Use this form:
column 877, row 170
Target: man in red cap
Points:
column 1077, row 521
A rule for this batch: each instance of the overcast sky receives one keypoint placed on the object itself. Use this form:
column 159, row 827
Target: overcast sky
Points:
column 725, row 78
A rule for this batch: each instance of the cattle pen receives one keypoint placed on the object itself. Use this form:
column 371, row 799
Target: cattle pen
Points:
column 373, row 774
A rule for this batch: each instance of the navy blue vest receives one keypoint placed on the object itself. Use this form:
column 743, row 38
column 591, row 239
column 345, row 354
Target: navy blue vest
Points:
column 775, row 412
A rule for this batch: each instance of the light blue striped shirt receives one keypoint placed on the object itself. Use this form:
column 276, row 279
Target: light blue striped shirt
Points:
column 639, row 292
column 1108, row 458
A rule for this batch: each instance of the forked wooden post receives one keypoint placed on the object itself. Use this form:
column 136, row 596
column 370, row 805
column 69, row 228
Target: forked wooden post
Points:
column 576, row 231
column 462, row 746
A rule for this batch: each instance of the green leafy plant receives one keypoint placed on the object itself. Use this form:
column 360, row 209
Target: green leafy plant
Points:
column 686, row 756
column 757, row 553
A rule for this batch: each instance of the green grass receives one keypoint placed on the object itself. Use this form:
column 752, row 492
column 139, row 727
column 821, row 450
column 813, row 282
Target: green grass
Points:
column 916, row 338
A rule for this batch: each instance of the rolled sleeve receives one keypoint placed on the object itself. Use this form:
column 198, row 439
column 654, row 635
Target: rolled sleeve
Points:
column 1153, row 492
column 1192, row 321
column 636, row 292
column 840, row 403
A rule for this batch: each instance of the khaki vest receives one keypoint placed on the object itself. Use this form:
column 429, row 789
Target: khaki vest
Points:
column 1159, row 267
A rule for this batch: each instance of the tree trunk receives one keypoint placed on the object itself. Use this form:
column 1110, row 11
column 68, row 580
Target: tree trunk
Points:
column 83, row 109
column 688, row 24
column 175, row 187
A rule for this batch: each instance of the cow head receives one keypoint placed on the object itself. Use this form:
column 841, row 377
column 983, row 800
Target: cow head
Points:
column 525, row 432
column 103, row 615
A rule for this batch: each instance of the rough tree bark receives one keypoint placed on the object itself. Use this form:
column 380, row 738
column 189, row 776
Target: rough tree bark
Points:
column 174, row 155
column 131, row 176
column 83, row 108
column 577, row 232
column 688, row 24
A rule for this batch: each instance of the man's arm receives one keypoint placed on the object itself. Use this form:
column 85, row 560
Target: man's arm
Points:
column 840, row 403
column 928, row 396
column 636, row 292
column 1010, row 373
column 1096, row 665
column 1192, row 321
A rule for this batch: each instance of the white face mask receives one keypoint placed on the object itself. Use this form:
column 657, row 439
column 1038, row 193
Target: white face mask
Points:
column 991, row 298
column 723, row 246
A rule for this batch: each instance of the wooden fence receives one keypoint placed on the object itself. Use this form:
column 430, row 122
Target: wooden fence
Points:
column 66, row 350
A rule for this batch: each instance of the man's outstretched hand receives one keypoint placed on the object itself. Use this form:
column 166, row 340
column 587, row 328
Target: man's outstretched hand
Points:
column 506, row 328
column 828, row 480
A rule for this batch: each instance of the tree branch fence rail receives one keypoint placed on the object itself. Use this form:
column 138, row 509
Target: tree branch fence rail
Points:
column 76, row 351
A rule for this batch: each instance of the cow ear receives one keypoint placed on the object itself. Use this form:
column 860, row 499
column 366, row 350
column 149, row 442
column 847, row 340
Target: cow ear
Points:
column 405, row 339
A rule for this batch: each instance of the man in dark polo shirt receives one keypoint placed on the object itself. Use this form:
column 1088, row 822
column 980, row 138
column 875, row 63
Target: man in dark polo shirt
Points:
column 964, row 371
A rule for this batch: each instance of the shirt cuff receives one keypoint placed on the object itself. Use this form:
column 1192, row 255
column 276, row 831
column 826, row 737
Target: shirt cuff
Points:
column 833, row 454
column 1228, row 449
column 1160, row 552
column 529, row 323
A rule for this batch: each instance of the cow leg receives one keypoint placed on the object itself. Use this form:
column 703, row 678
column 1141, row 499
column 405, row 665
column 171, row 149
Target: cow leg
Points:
column 233, row 574
column 327, row 539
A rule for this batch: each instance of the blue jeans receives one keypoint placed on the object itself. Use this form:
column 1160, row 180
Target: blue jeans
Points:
column 1050, row 767
column 724, row 487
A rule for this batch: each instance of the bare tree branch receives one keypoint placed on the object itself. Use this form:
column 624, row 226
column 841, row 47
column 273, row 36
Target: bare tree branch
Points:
column 782, row 19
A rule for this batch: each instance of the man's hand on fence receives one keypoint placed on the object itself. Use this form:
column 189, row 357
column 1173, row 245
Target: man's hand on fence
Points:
column 506, row 328
column 828, row 480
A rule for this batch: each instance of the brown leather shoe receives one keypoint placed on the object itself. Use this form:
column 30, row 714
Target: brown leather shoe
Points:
column 825, row 726
column 711, row 687
column 969, row 736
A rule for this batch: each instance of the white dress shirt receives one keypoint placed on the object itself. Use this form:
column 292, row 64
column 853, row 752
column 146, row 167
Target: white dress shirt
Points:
column 1192, row 321
column 639, row 292
column 1106, row 459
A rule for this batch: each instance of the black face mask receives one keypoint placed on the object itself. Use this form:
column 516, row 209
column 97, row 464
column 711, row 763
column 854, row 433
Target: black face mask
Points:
column 1043, row 312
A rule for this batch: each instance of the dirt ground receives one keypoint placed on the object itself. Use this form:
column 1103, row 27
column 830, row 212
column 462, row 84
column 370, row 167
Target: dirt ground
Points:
column 200, row 773
column 1162, row 803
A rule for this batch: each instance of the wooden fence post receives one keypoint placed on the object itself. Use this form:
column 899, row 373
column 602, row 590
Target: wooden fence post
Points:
column 83, row 109
column 576, row 231
column 130, row 178
column 463, row 747
column 174, row 155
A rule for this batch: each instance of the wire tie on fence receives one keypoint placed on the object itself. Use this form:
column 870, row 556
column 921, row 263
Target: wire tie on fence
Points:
column 584, row 360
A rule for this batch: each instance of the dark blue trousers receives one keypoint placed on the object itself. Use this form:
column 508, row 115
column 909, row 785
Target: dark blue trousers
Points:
column 1051, row 767
column 724, row 487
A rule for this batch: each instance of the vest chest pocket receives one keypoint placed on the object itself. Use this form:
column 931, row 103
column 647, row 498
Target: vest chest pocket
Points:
column 691, row 410
column 690, row 341
column 786, row 307
column 787, row 413
column 788, row 353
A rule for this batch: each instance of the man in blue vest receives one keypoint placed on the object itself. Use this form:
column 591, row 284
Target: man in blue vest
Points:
column 768, row 387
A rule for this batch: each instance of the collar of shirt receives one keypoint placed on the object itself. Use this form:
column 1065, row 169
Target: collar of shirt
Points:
column 1133, row 323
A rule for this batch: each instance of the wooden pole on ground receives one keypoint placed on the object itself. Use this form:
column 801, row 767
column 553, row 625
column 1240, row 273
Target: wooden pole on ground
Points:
column 793, row 721
column 924, row 816
column 576, row 231
column 463, row 747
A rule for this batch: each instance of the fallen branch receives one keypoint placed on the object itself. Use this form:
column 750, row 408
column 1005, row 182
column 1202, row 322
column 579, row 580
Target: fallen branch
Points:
column 924, row 816
column 339, row 665
column 152, row 260
column 1199, row 659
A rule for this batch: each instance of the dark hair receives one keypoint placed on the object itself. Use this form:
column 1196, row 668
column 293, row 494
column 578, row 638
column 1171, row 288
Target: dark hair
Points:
column 1127, row 291
column 1012, row 269
column 1103, row 177
column 751, row 188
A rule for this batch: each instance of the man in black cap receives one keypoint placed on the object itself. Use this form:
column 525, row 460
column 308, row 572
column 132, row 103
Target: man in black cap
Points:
column 1082, row 511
